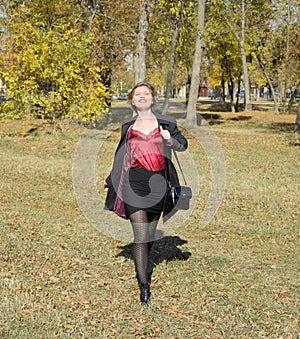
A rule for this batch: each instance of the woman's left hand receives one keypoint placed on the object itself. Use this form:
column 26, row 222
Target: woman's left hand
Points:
column 105, row 187
column 165, row 133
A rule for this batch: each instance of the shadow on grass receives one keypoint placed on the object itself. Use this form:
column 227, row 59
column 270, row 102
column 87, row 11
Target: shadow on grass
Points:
column 284, row 126
column 118, row 115
column 164, row 249
column 241, row 118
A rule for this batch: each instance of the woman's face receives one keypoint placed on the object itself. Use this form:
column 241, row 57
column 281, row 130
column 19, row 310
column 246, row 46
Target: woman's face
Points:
column 142, row 97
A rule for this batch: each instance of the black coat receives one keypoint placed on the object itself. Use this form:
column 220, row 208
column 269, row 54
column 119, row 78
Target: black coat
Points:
column 179, row 143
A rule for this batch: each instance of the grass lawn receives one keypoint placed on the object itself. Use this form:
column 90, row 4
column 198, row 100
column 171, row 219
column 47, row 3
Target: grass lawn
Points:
column 238, row 277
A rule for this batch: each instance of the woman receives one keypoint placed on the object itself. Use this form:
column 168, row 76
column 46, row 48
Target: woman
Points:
column 136, row 185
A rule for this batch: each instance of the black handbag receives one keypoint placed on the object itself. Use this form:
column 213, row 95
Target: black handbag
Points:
column 177, row 197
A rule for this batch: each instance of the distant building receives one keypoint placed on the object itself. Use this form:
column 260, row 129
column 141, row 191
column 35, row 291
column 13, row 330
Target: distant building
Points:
column 203, row 89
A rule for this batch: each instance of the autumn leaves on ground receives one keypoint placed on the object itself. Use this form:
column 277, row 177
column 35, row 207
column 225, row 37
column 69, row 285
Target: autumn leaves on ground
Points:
column 238, row 277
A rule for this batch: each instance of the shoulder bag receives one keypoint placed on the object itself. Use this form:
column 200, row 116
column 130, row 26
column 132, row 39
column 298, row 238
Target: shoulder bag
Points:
column 177, row 196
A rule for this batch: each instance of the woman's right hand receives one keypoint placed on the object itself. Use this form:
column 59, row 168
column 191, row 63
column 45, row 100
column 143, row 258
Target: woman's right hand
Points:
column 106, row 188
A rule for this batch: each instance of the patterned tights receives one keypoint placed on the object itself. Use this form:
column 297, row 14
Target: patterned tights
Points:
column 144, row 226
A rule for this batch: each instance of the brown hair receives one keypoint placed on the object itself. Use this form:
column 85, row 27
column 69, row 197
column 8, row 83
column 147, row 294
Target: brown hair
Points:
column 140, row 84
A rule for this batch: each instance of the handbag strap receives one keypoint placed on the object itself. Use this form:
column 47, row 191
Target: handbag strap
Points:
column 176, row 157
column 167, row 170
column 166, row 164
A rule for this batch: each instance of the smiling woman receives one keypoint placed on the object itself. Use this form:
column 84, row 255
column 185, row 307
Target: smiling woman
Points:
column 136, row 186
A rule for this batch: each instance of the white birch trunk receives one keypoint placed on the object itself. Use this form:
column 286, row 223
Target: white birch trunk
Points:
column 140, row 56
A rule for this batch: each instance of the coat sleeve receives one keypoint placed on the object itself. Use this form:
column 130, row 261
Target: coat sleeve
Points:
column 112, row 181
column 116, row 167
column 179, row 142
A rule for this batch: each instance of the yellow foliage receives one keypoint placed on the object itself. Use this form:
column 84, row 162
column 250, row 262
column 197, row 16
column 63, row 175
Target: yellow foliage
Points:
column 49, row 70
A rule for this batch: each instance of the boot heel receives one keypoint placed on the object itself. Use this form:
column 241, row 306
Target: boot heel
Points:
column 145, row 294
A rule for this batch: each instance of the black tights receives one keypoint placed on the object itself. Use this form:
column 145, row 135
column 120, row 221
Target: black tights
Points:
column 144, row 226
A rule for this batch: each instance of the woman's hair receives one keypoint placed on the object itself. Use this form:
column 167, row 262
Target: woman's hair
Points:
column 140, row 84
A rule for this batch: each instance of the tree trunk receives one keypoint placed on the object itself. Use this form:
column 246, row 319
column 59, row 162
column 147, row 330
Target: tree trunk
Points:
column 248, row 105
column 292, row 98
column 140, row 57
column 287, row 57
column 172, row 59
column 262, row 67
column 237, row 97
column 191, row 114
column 297, row 125
column 241, row 41
column 231, row 94
column 223, row 95
column 188, row 87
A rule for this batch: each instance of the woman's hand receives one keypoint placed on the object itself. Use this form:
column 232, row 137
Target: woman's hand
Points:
column 105, row 187
column 165, row 134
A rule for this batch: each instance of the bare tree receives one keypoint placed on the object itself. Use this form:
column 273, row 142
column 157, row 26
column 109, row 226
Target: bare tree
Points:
column 191, row 115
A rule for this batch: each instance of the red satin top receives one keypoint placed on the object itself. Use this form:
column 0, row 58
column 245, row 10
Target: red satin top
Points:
column 143, row 151
column 146, row 151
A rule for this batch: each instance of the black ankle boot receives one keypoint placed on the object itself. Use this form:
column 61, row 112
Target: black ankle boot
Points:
column 145, row 293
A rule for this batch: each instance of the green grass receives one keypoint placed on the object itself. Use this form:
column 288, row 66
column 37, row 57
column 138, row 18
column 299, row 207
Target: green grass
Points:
column 62, row 278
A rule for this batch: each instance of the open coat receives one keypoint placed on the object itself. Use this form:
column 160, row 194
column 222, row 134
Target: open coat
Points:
column 179, row 143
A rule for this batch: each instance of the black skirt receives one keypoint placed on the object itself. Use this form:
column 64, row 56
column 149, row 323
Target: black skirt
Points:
column 144, row 190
